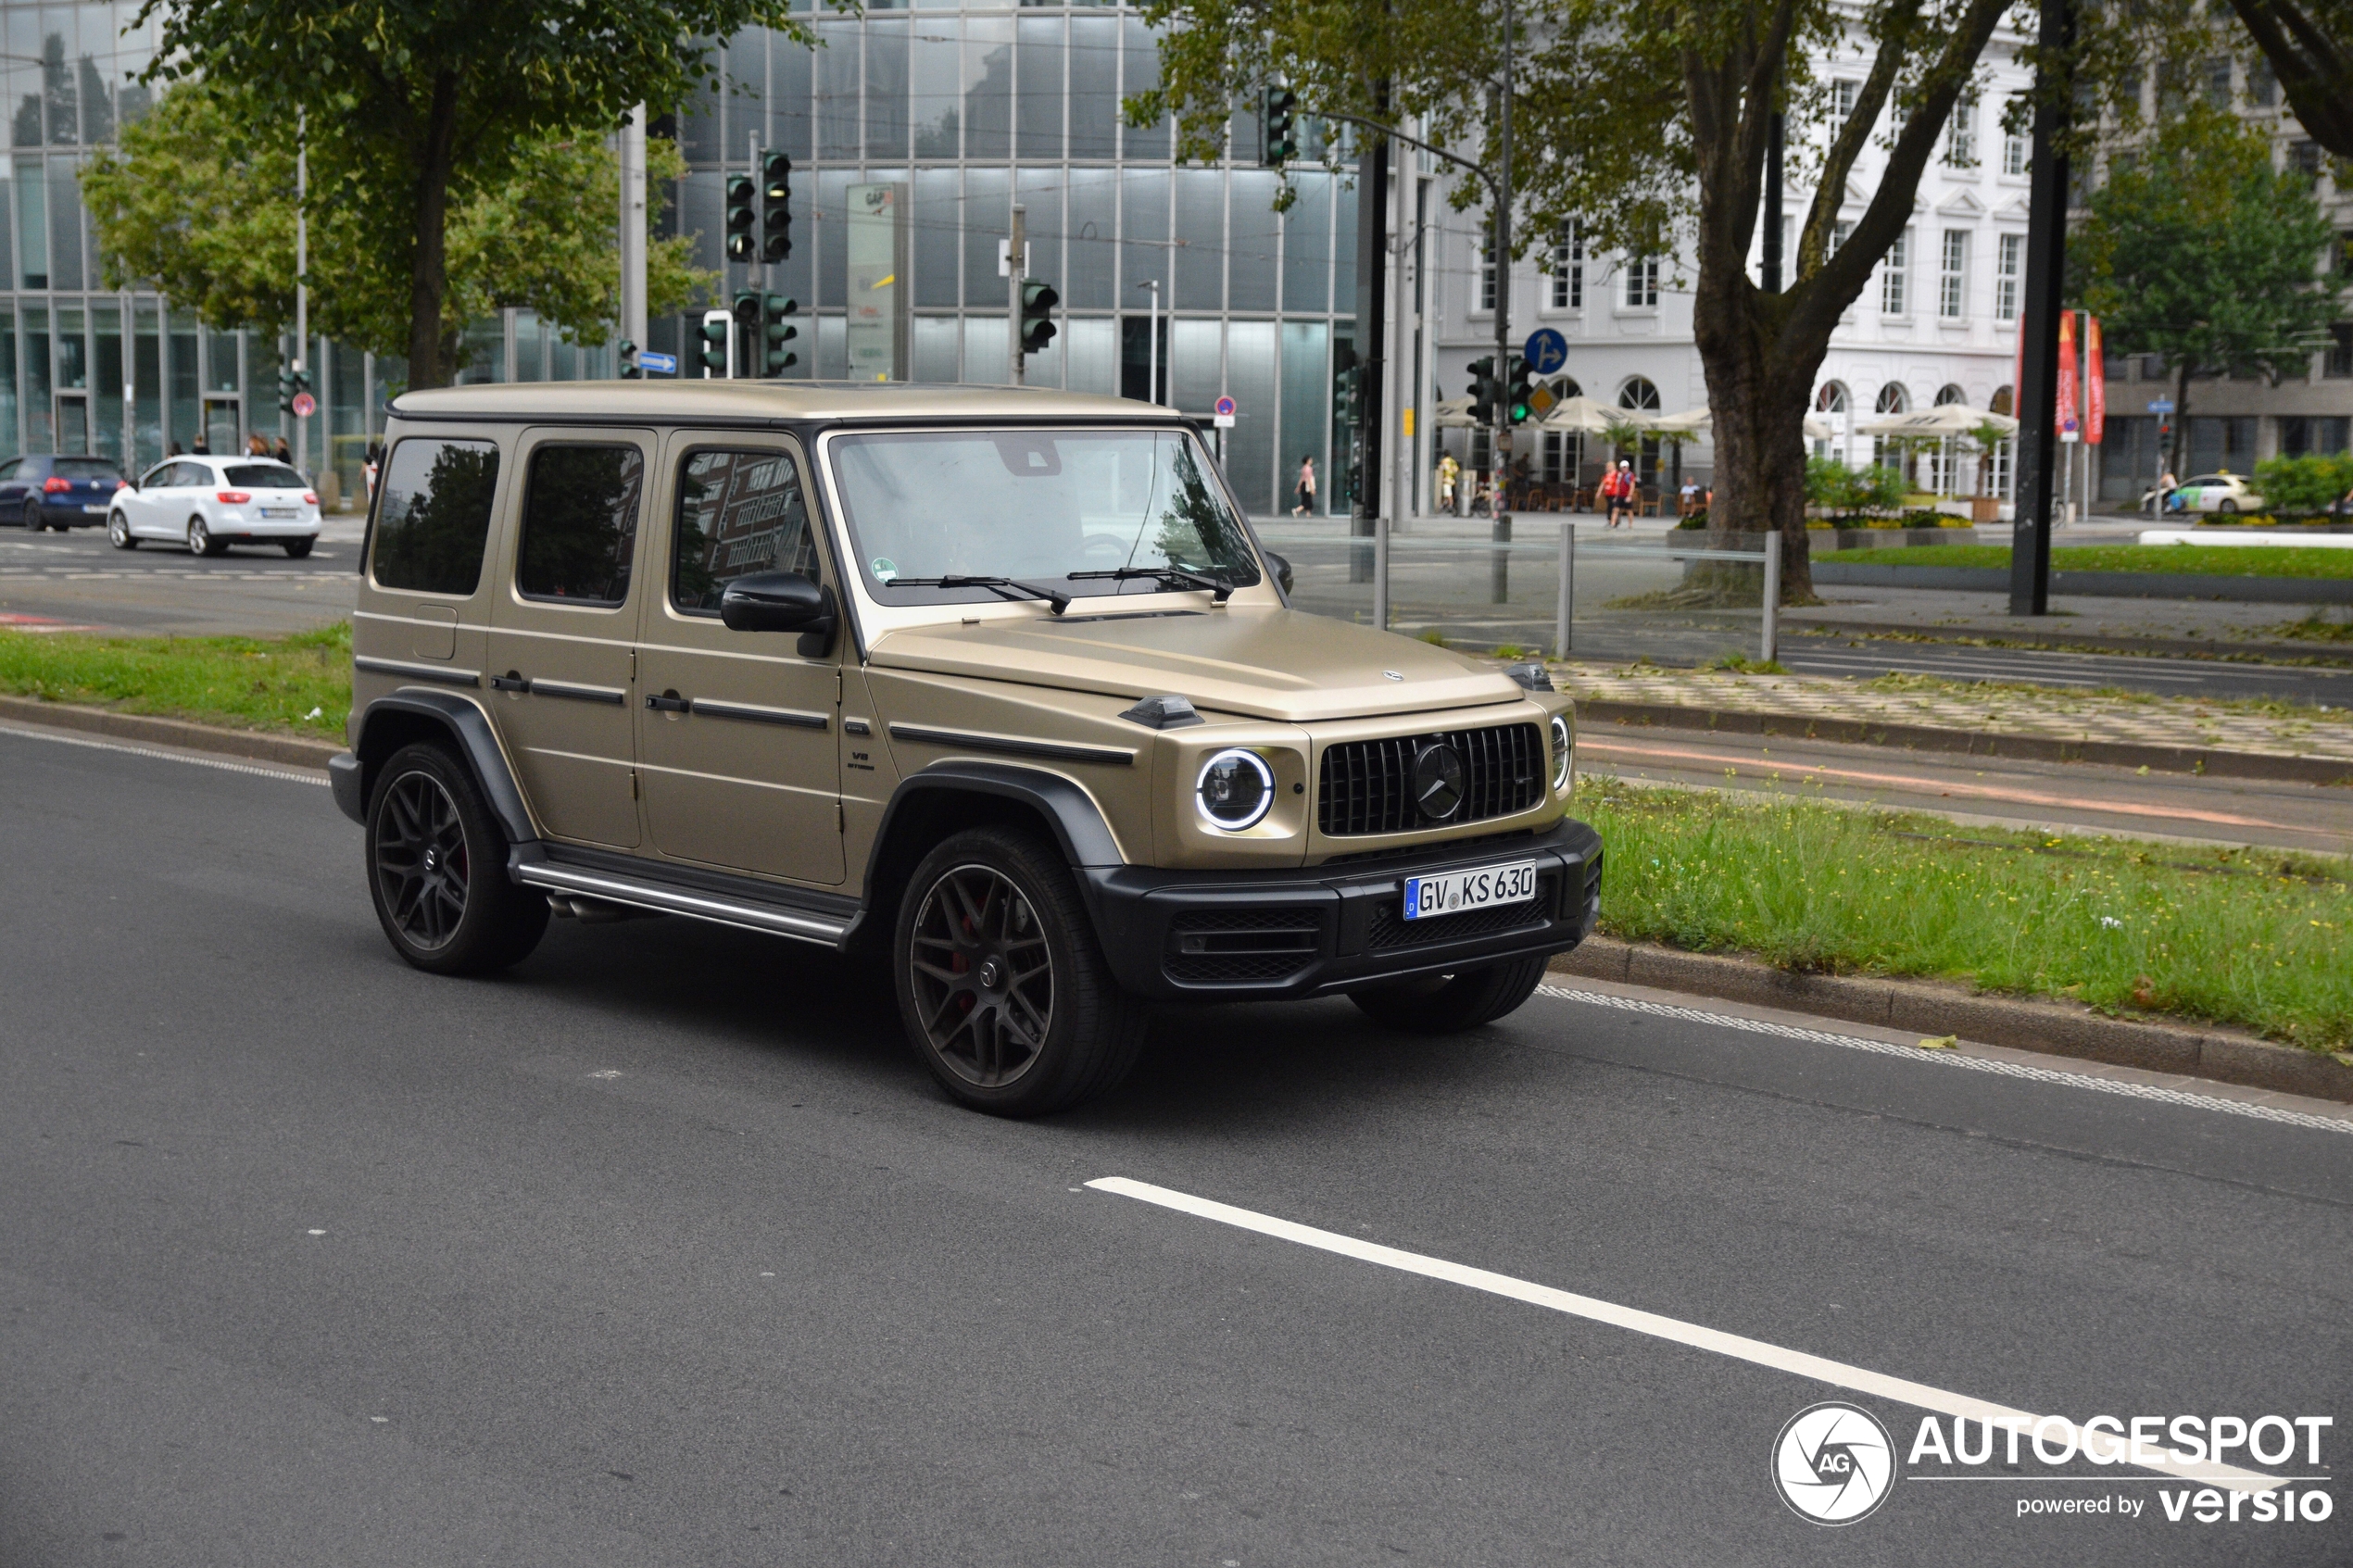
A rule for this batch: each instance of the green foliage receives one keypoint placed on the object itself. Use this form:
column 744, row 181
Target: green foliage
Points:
column 198, row 203
column 2216, row 560
column 1835, row 488
column 2197, row 251
column 2306, row 485
column 243, row 683
column 2246, row 937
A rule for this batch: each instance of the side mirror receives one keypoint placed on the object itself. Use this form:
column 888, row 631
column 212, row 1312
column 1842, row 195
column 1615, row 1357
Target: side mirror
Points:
column 1280, row 567
column 782, row 601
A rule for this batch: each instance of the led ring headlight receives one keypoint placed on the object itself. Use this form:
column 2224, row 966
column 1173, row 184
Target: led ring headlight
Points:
column 1235, row 790
column 1561, row 753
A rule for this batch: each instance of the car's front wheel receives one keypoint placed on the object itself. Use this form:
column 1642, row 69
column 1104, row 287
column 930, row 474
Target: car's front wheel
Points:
column 437, row 869
column 119, row 532
column 200, row 539
column 1445, row 1004
column 1003, row 985
column 2226, row 506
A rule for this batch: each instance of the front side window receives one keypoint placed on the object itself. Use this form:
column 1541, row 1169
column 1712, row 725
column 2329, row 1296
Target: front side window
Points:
column 435, row 516
column 580, row 523
column 1078, row 512
column 738, row 513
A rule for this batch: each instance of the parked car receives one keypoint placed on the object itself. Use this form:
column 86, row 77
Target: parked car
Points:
column 52, row 490
column 2226, row 493
column 991, row 689
column 210, row 503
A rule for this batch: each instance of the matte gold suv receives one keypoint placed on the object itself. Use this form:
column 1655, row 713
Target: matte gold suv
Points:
column 995, row 687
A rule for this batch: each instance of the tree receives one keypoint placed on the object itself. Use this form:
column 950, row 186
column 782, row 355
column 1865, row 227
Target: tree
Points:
column 1648, row 125
column 434, row 97
column 2309, row 44
column 198, row 203
column 2198, row 252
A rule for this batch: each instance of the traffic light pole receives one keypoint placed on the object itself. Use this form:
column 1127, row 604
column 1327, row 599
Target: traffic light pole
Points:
column 302, row 279
column 1016, row 267
column 1499, row 587
column 633, row 228
column 2037, row 400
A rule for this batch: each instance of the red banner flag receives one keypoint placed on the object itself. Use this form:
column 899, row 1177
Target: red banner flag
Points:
column 2066, row 414
column 2094, row 382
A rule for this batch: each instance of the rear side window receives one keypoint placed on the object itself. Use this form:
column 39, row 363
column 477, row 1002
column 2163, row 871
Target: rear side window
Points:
column 87, row 467
column 435, row 515
column 738, row 513
column 580, row 523
column 265, row 476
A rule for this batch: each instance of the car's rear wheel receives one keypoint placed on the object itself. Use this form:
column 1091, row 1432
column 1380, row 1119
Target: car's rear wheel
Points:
column 33, row 521
column 1446, row 1003
column 200, row 539
column 438, row 869
column 2226, row 506
column 119, row 532
column 297, row 548
column 1003, row 988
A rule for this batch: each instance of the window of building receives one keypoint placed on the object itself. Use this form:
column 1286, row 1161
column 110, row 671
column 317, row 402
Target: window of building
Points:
column 2305, row 158
column 1960, row 132
column 738, row 513
column 1569, row 268
column 2338, row 362
column 2010, row 270
column 1839, row 231
column 1843, row 96
column 2015, row 150
column 1486, row 276
column 2217, row 84
column 1894, row 299
column 2300, row 436
column 580, row 524
column 1641, row 282
column 1952, row 274
column 2262, row 83
column 435, row 515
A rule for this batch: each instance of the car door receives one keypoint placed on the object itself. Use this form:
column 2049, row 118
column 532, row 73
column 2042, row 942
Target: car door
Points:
column 562, row 629
column 11, row 491
column 144, row 505
column 739, row 731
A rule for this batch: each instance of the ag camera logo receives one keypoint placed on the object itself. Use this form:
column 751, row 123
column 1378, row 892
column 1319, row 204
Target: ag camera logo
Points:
column 1834, row 1463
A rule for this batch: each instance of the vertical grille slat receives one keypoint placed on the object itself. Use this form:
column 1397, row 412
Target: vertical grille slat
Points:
column 1366, row 787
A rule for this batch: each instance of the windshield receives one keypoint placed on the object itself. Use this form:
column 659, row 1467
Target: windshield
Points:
column 86, row 467
column 1041, row 507
column 265, row 476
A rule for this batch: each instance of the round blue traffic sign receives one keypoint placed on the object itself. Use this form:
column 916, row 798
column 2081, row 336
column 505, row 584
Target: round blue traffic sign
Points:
column 1225, row 407
column 1546, row 351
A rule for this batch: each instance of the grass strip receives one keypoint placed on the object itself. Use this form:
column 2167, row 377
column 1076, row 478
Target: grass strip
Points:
column 2218, row 560
column 300, row 684
column 2257, row 939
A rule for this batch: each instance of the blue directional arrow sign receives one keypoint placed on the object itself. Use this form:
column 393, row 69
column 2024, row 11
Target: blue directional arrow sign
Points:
column 655, row 364
column 2160, row 405
column 1546, row 351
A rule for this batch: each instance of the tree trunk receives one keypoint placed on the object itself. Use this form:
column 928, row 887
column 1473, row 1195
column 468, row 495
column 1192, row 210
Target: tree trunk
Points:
column 1759, row 386
column 428, row 270
column 2180, row 416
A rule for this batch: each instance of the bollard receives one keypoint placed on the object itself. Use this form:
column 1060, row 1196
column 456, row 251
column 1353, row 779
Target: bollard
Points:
column 1561, row 616
column 1772, row 641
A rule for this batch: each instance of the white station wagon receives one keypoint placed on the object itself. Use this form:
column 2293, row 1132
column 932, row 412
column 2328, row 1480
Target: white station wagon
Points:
column 208, row 504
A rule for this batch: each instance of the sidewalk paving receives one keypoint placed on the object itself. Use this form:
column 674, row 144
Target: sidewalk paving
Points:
column 2071, row 716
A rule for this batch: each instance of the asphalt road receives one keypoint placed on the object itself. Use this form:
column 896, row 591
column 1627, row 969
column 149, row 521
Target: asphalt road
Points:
column 661, row 1251
column 1866, row 658
column 79, row 580
column 2076, row 796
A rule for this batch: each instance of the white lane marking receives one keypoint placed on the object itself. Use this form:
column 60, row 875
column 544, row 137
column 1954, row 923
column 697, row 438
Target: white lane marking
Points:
column 1738, row 1347
column 288, row 774
column 1974, row 1063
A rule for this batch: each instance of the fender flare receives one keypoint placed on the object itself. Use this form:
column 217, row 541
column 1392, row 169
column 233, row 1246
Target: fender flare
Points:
column 469, row 727
column 1078, row 823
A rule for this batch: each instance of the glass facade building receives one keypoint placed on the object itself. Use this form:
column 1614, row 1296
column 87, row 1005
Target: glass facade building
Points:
column 971, row 106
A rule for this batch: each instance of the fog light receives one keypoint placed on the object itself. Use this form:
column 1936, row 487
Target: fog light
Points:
column 1561, row 753
column 1235, row 790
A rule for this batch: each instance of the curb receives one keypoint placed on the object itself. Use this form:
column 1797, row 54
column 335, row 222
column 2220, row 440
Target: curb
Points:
column 169, row 732
column 2247, row 589
column 2050, row 1028
column 1800, row 623
column 1925, row 737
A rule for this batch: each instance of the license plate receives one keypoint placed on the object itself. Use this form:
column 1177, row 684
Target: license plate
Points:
column 280, row 511
column 96, row 508
column 1455, row 892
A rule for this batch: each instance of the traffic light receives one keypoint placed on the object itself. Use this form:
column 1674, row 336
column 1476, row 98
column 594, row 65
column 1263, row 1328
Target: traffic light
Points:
column 741, row 218
column 1037, row 302
column 1279, row 122
column 628, row 357
column 292, row 383
column 775, row 331
column 1484, row 390
column 1519, row 392
column 716, row 325
column 1345, row 387
column 776, row 208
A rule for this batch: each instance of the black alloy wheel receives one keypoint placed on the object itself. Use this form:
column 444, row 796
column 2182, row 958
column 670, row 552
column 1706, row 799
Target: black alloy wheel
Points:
column 33, row 521
column 437, row 870
column 1003, row 985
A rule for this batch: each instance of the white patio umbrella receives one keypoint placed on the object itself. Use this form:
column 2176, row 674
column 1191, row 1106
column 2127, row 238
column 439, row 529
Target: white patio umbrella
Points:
column 1452, row 413
column 1590, row 417
column 1943, row 424
column 1693, row 421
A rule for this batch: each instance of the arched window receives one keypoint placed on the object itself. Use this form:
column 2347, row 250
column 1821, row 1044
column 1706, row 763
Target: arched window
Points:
column 1893, row 399
column 1831, row 402
column 1638, row 392
column 1563, row 449
column 1948, row 395
column 1998, row 461
column 1831, row 399
column 2001, row 404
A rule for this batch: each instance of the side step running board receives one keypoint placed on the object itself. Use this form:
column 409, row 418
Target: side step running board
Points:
column 665, row 898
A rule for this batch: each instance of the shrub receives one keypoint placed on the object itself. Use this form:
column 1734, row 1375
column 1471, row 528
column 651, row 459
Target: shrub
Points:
column 2305, row 485
column 1844, row 491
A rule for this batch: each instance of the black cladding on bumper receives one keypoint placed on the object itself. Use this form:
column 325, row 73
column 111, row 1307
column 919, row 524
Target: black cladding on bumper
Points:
column 1210, row 935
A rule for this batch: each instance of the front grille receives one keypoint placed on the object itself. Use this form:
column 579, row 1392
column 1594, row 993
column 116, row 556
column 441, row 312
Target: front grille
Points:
column 1367, row 786
column 1234, row 946
column 1389, row 928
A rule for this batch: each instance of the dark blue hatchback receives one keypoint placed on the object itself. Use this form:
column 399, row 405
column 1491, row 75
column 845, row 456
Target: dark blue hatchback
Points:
column 52, row 491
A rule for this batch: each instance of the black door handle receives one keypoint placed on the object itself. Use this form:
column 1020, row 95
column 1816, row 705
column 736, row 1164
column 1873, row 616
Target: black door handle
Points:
column 509, row 682
column 669, row 702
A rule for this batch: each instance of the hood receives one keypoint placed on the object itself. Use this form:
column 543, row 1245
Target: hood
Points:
column 1277, row 664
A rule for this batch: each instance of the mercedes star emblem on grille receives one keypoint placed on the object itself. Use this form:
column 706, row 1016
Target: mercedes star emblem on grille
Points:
column 1437, row 781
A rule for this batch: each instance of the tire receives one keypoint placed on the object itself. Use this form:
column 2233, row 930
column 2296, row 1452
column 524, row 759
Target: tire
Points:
column 2226, row 506
column 297, row 548
column 200, row 539
column 33, row 521
column 119, row 532
column 1002, row 987
column 1447, row 1004
column 438, row 869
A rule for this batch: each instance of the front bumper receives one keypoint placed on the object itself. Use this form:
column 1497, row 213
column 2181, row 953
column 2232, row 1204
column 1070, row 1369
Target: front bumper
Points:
column 1305, row 931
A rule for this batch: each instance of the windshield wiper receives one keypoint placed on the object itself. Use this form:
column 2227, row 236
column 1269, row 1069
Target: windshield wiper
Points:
column 1183, row 576
column 1006, row 587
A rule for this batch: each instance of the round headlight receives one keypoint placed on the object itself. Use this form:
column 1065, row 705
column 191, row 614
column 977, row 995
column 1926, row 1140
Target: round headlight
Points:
column 1561, row 753
column 1235, row 790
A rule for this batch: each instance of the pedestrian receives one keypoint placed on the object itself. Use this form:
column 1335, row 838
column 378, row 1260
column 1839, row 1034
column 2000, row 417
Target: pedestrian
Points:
column 2162, row 497
column 283, row 453
column 375, row 461
column 1304, row 494
column 175, row 450
column 1449, row 472
column 1618, row 489
column 256, row 447
column 1689, row 499
column 201, row 447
